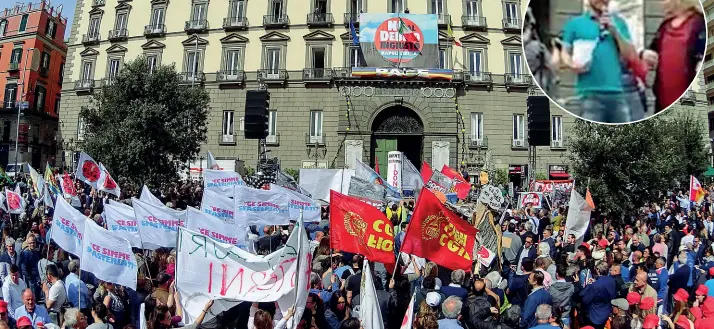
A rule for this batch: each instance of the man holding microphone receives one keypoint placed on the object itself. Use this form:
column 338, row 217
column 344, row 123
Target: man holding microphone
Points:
column 594, row 46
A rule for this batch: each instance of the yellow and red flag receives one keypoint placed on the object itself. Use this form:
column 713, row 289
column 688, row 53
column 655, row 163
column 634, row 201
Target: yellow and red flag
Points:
column 696, row 191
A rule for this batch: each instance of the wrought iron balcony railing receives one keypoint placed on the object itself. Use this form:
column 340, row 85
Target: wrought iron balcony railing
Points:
column 276, row 20
column 198, row 25
column 230, row 76
column 235, row 23
column 320, row 19
column 470, row 21
column 154, row 30
column 90, row 39
column 312, row 74
column 118, row 34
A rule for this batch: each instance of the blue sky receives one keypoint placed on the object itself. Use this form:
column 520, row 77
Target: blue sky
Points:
column 67, row 11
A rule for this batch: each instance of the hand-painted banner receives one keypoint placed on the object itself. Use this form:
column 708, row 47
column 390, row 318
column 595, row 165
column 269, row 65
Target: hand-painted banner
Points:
column 108, row 256
column 221, row 181
column 150, row 198
column 15, row 203
column 217, row 205
column 106, row 183
column 311, row 210
column 158, row 226
column 217, row 229
column 530, row 199
column 123, row 223
column 88, row 170
column 548, row 186
column 206, row 269
column 68, row 227
column 261, row 207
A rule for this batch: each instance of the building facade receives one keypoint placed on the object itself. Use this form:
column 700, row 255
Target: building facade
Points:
column 320, row 115
column 32, row 57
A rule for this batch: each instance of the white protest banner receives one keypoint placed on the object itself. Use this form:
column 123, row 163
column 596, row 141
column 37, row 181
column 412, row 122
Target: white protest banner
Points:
column 87, row 170
column 530, row 199
column 408, row 320
column 68, row 227
column 221, row 181
column 394, row 169
column 319, row 182
column 369, row 313
column 207, row 269
column 148, row 197
column 106, row 183
column 158, row 226
column 121, row 205
column 261, row 207
column 216, row 228
column 108, row 256
column 311, row 210
column 123, row 223
column 217, row 205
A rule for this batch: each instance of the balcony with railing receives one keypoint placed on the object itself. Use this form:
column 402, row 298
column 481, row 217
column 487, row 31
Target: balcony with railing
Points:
column 517, row 79
column 44, row 71
column 320, row 19
column 118, row 35
column 316, row 75
column 354, row 17
column 196, row 26
column 275, row 21
column 236, row 23
column 230, row 77
column 13, row 67
column 473, row 22
column 83, row 85
column 91, row 39
column 155, row 30
column 476, row 142
column 478, row 78
column 97, row 3
column 342, row 73
column 511, row 24
column 443, row 19
column 190, row 78
column 273, row 75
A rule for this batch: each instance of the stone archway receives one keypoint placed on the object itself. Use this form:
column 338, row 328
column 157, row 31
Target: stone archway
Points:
column 396, row 128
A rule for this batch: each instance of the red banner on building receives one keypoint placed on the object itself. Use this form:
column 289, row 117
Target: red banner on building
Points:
column 358, row 227
column 461, row 186
column 439, row 235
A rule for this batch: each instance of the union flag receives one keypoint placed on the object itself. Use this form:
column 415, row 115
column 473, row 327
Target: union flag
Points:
column 439, row 235
column 461, row 186
column 358, row 227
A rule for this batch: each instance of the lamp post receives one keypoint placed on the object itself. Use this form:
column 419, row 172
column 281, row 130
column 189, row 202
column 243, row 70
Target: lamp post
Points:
column 316, row 151
column 22, row 99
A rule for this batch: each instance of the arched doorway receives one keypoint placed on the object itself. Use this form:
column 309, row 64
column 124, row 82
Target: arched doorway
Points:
column 396, row 128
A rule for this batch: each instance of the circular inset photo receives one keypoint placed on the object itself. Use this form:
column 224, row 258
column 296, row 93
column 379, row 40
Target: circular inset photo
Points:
column 615, row 61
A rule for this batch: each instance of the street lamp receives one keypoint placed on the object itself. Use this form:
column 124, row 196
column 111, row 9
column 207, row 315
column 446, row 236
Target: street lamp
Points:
column 22, row 100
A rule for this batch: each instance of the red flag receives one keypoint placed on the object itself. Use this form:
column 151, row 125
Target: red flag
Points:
column 439, row 235
column 376, row 165
column 361, row 228
column 426, row 172
column 462, row 187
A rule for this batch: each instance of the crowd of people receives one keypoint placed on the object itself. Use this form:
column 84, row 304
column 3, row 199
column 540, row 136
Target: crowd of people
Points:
column 654, row 269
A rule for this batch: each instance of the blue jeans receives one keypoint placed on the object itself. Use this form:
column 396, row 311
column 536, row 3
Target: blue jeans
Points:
column 606, row 108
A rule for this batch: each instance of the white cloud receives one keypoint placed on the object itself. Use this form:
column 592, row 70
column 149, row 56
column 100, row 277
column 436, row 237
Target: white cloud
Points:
column 367, row 33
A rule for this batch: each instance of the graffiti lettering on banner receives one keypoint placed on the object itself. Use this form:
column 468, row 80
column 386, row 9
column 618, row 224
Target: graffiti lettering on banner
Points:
column 530, row 199
column 548, row 186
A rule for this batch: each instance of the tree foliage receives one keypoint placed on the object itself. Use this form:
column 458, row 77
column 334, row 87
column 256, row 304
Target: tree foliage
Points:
column 144, row 126
column 628, row 166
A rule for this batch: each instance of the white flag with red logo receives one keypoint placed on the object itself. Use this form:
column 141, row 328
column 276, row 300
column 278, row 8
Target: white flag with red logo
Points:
column 485, row 256
column 15, row 203
column 88, row 170
column 409, row 316
column 106, row 183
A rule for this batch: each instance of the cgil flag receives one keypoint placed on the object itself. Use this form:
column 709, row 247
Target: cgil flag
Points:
column 88, row 170
column 106, row 183
column 68, row 227
column 437, row 234
column 358, row 227
column 122, row 222
column 696, row 191
column 212, row 164
column 460, row 185
column 108, row 256
column 158, row 226
column 370, row 315
column 426, row 172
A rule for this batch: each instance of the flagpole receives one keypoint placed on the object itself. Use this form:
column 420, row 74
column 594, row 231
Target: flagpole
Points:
column 299, row 258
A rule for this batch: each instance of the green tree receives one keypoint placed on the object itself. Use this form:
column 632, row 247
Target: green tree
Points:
column 145, row 127
column 627, row 166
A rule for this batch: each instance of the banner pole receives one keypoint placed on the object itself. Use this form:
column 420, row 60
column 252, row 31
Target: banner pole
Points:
column 299, row 258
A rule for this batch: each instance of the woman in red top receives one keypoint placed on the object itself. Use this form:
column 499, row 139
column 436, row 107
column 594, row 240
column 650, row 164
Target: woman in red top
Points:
column 676, row 66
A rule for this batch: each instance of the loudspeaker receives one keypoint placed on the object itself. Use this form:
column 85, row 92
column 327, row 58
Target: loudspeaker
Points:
column 257, row 103
column 538, row 120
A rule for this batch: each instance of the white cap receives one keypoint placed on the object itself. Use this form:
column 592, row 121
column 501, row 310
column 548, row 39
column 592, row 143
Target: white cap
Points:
column 433, row 299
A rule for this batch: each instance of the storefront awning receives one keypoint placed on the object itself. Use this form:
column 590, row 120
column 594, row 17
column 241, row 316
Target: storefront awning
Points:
column 560, row 175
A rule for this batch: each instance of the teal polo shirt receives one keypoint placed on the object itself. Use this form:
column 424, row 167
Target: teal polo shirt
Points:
column 605, row 74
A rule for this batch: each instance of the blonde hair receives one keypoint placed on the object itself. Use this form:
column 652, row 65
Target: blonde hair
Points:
column 688, row 5
column 431, row 269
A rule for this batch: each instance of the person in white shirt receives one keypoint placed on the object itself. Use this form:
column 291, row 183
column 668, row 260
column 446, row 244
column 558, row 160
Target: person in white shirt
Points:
column 12, row 289
column 56, row 293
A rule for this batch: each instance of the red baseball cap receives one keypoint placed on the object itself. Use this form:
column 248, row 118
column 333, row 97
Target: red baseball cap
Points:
column 681, row 295
column 711, row 271
column 603, row 243
column 708, row 307
column 24, row 321
column 633, row 298
column 3, row 306
column 651, row 322
column 647, row 303
column 683, row 322
column 587, row 327
column 702, row 290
